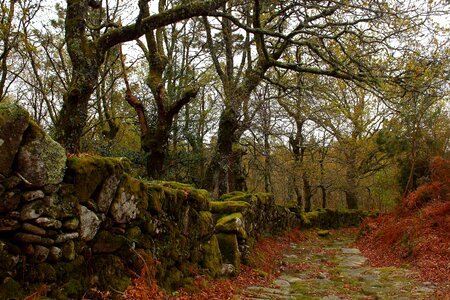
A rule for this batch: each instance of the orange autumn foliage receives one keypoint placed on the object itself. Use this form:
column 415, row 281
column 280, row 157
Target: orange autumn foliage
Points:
column 437, row 189
column 418, row 232
column 144, row 286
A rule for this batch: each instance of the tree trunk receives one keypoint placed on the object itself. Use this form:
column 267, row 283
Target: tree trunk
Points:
column 322, row 186
column 351, row 199
column 307, row 194
column 351, row 185
column 324, row 196
column 298, row 195
column 72, row 118
column 155, row 143
column 223, row 174
column 267, row 157
column 87, row 55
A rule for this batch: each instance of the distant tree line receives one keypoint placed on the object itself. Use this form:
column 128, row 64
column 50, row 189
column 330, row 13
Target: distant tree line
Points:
column 323, row 103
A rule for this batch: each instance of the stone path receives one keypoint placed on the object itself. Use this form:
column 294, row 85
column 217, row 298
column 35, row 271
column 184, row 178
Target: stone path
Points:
column 327, row 268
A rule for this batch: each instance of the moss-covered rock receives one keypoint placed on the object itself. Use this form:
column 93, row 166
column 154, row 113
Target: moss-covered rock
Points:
column 40, row 159
column 228, row 207
column 131, row 200
column 108, row 242
column 109, row 273
column 68, row 250
column 11, row 289
column 179, row 194
column 224, row 197
column 174, row 280
column 155, row 194
column 199, row 199
column 212, row 257
column 13, row 123
column 323, row 232
column 233, row 223
column 265, row 198
column 331, row 218
column 229, row 248
column 201, row 225
column 89, row 174
column 74, row 288
column 107, row 192
column 41, row 273
column 236, row 196
column 63, row 204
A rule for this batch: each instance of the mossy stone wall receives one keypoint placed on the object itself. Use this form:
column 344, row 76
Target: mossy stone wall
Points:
column 84, row 222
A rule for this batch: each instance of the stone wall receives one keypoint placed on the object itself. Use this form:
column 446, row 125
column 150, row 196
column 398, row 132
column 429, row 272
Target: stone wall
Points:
column 82, row 222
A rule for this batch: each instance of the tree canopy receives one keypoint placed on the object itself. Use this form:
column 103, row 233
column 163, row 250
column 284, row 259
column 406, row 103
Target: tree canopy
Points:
column 323, row 103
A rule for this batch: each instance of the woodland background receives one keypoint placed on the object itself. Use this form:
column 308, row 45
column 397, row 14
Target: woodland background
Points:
column 323, row 103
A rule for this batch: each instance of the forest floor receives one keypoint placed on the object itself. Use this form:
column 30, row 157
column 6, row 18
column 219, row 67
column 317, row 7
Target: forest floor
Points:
column 304, row 265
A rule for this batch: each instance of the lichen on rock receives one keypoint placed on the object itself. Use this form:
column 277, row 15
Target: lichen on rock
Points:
column 89, row 224
column 40, row 160
column 131, row 199
column 13, row 123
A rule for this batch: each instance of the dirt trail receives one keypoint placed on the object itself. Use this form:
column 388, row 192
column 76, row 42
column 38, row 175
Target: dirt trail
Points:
column 329, row 268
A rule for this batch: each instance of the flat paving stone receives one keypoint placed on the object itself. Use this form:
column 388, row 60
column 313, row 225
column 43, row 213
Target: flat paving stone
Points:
column 353, row 261
column 282, row 283
column 330, row 269
column 351, row 251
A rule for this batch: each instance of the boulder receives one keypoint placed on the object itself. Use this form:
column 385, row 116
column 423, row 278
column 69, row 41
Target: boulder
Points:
column 107, row 193
column 55, row 254
column 41, row 253
column 8, row 225
column 229, row 248
column 33, row 229
column 64, row 237
column 9, row 201
column 107, row 242
column 89, row 224
column 68, row 251
column 232, row 224
column 87, row 174
column 13, row 123
column 33, row 239
column 228, row 207
column 8, row 261
column 32, row 195
column 48, row 222
column 131, row 199
column 212, row 258
column 41, row 160
column 32, row 210
column 71, row 224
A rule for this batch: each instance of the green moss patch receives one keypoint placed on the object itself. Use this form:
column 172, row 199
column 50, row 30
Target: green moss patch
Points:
column 212, row 257
column 229, row 249
column 88, row 173
column 110, row 273
column 233, row 223
column 228, row 207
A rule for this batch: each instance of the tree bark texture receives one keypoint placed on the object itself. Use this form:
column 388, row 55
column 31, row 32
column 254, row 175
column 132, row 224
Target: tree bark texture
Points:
column 88, row 55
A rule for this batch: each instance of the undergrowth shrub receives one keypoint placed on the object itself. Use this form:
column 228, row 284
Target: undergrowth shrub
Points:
column 416, row 232
column 436, row 190
column 145, row 286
